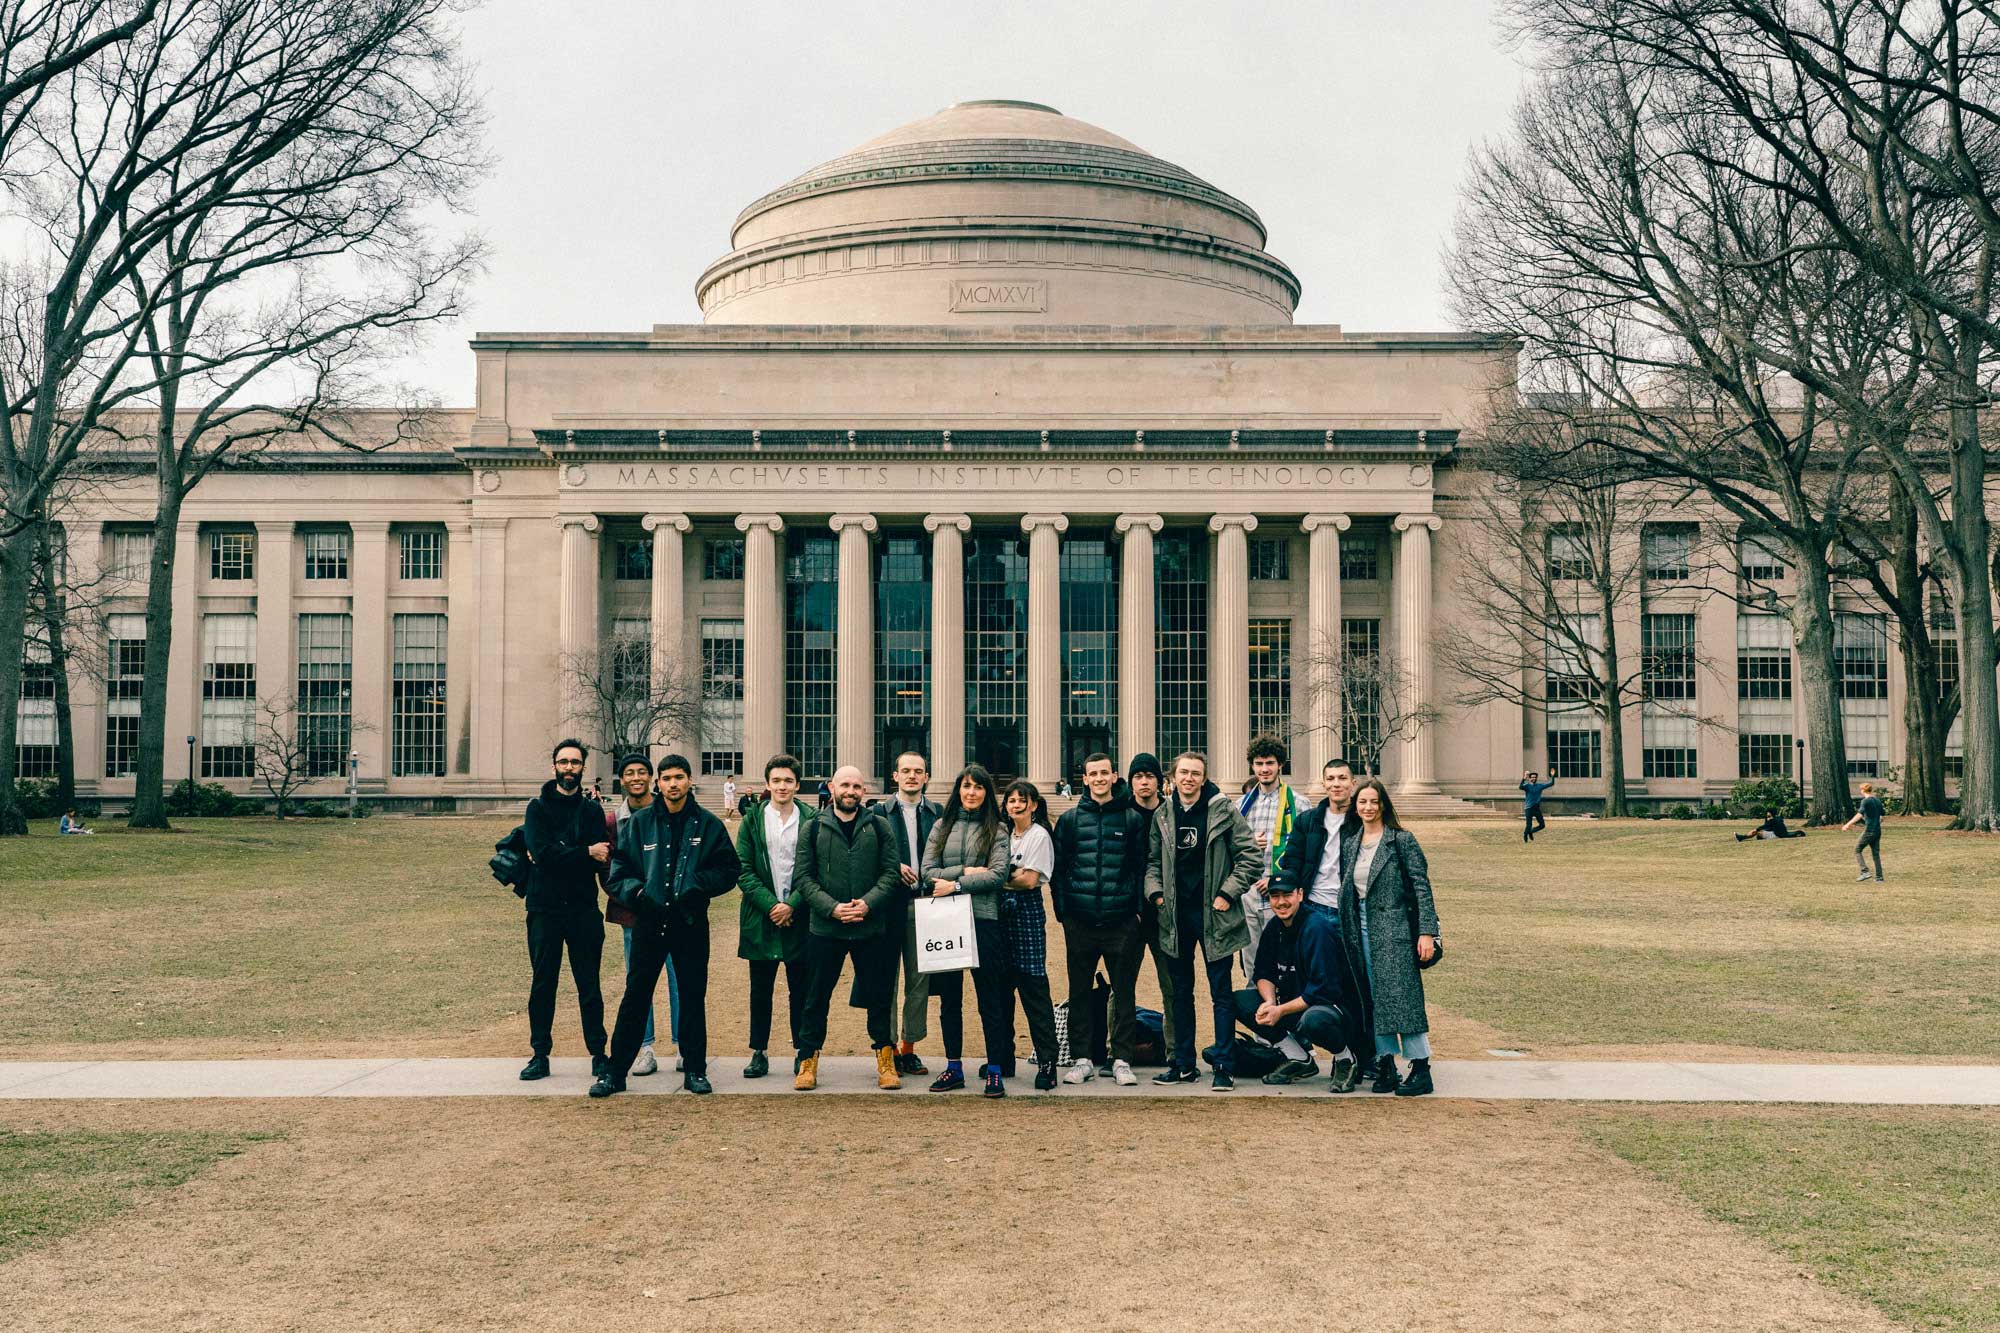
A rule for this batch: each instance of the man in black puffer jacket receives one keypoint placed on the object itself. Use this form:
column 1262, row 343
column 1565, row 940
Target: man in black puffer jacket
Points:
column 569, row 851
column 1099, row 889
column 672, row 858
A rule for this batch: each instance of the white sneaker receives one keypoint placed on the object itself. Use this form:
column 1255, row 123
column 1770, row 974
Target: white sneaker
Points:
column 1122, row 1074
column 677, row 1062
column 1080, row 1071
column 646, row 1064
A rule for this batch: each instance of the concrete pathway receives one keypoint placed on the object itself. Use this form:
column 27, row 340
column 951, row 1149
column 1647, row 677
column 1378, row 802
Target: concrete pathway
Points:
column 1495, row 1080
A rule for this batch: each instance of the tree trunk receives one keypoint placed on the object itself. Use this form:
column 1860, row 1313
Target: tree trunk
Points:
column 1611, row 693
column 1972, row 598
column 149, row 808
column 1827, row 802
column 1924, row 715
column 55, row 614
column 17, row 557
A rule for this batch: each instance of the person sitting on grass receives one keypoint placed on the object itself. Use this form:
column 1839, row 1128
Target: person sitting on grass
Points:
column 1298, row 984
column 70, row 823
column 1770, row 830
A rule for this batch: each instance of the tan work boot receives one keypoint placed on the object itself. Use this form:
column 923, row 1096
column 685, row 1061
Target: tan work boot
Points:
column 885, row 1068
column 808, row 1075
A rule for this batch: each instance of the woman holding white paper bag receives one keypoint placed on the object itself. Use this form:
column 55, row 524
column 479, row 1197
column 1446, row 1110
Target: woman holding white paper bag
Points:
column 966, row 853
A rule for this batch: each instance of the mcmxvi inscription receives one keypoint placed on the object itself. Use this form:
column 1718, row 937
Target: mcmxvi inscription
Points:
column 999, row 294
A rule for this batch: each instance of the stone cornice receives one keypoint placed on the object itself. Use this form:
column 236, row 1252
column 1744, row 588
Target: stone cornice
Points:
column 1040, row 338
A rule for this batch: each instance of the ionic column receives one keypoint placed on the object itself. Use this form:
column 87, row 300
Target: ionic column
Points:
column 1135, row 637
column 947, row 644
column 1321, row 660
column 1413, row 634
column 672, row 668
column 369, row 572
column 1044, row 647
column 576, row 618
column 854, row 627
column 763, row 640
column 1229, row 651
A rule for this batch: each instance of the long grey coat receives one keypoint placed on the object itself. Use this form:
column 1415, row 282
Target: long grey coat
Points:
column 1398, row 879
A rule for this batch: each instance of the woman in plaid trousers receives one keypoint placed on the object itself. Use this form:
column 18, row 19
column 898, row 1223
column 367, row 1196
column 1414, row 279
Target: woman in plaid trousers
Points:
column 1031, row 859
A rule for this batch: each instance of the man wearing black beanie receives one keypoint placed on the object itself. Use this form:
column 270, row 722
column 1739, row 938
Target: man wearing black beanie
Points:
column 1145, row 777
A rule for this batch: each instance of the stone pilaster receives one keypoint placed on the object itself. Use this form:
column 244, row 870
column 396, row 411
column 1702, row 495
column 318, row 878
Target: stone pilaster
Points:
column 947, row 754
column 576, row 619
column 184, row 668
column 277, row 624
column 674, row 669
column 1314, row 672
column 1229, row 651
column 1136, row 715
column 1045, row 697
column 489, row 700
column 1413, row 636
column 763, row 640
column 461, row 655
column 854, row 622
column 368, row 574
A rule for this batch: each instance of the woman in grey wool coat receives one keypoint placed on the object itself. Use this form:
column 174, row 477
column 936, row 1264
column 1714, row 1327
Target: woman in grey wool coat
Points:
column 1388, row 923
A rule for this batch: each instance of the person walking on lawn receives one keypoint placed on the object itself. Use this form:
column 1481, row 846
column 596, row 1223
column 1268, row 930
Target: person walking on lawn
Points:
column 771, row 926
column 1099, row 890
column 1201, row 860
column 846, row 876
column 967, row 853
column 1389, row 925
column 1298, row 996
column 1869, row 816
column 635, row 782
column 568, row 854
column 912, row 815
column 672, row 858
column 1531, row 805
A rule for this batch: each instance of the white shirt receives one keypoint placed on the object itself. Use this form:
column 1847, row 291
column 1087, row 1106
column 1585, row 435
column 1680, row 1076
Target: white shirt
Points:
column 1325, row 888
column 1033, row 850
column 1364, row 861
column 781, row 838
column 908, row 810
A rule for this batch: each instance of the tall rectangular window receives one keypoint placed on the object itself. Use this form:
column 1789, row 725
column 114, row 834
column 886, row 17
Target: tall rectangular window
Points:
column 420, row 554
column 1667, row 726
column 1360, row 559
column 232, row 556
column 1089, row 648
column 325, row 551
column 633, row 559
column 1271, row 680
column 1360, row 688
column 124, row 679
column 1668, row 551
column 902, row 646
column 996, row 651
column 1569, row 554
column 722, row 559
column 1180, row 640
column 35, row 714
column 812, row 564
column 417, row 697
column 326, row 693
column 1270, row 559
column 1574, row 738
column 228, row 695
column 1861, row 644
column 1760, row 557
column 1944, row 635
column 129, row 553
column 1763, row 696
column 631, row 646
column 722, row 698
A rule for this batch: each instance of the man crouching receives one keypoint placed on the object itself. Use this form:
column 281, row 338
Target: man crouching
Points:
column 672, row 857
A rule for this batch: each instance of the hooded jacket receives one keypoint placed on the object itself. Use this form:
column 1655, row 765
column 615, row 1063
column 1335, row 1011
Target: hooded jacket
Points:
column 704, row 866
column 559, row 831
column 1100, row 877
column 1232, row 864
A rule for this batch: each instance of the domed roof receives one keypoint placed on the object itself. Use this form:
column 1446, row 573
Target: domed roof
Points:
column 1008, row 192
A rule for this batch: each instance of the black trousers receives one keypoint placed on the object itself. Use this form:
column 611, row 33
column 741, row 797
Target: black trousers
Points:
column 875, row 957
column 1531, row 820
column 581, row 930
column 992, row 984
column 1329, row 1026
column 1122, row 950
column 1040, row 1009
column 763, row 981
column 684, row 938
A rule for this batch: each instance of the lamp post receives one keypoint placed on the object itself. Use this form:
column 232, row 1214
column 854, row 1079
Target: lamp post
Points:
column 1801, row 770
column 190, row 741
column 353, row 780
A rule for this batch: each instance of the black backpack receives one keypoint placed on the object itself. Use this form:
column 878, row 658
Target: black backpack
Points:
column 510, row 862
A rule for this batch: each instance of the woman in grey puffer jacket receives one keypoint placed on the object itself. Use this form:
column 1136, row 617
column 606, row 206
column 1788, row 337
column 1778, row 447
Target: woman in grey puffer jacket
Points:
column 967, row 853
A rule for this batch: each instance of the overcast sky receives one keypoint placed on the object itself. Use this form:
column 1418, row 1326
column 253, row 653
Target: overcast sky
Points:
column 628, row 135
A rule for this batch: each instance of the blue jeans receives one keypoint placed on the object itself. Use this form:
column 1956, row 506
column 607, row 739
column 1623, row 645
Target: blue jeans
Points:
column 673, row 996
column 1221, row 994
column 1411, row 1045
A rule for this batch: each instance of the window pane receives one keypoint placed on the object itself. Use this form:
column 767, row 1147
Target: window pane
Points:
column 1180, row 639
column 228, row 695
column 422, row 554
column 417, row 698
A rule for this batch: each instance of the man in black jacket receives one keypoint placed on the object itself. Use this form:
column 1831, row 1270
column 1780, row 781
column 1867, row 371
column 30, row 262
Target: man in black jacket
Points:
column 1099, row 890
column 569, row 853
column 911, row 814
column 672, row 858
column 1298, row 995
column 1310, row 864
column 846, row 876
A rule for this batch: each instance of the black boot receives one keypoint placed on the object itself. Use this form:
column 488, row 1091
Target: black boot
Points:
column 537, row 1067
column 758, row 1066
column 1386, row 1079
column 1418, row 1084
column 600, row 1065
column 1045, row 1078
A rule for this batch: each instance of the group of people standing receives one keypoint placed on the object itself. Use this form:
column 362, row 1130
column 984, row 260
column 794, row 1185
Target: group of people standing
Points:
column 1328, row 909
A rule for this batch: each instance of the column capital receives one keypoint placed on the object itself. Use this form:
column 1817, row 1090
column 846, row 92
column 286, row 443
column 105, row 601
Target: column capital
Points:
column 1314, row 522
column 588, row 522
column 1059, row 522
column 1126, row 522
column 654, row 522
column 1404, row 522
column 745, row 522
column 1247, row 522
column 932, row 522
column 842, row 522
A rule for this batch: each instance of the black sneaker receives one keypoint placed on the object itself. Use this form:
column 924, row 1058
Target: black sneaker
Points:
column 1418, row 1084
column 600, row 1065
column 996, row 1084
column 697, row 1084
column 758, row 1066
column 1294, row 1071
column 605, row 1086
column 1386, row 1078
column 1220, row 1081
column 1045, row 1078
column 911, row 1064
column 1347, row 1076
column 538, row 1067
column 1175, row 1074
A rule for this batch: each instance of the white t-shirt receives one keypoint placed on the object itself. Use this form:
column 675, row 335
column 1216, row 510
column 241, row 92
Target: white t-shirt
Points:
column 1364, row 861
column 781, row 837
column 1325, row 888
column 1033, row 850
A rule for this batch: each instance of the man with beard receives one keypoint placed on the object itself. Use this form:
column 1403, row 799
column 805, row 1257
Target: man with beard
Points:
column 1099, row 889
column 672, row 858
column 911, row 815
column 568, row 852
column 847, row 872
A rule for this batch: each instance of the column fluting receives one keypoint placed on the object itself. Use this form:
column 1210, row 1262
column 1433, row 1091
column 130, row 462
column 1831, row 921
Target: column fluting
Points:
column 1045, row 697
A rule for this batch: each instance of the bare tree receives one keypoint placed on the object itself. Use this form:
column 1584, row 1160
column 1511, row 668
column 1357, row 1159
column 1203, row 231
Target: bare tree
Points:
column 285, row 753
column 1376, row 702
column 622, row 701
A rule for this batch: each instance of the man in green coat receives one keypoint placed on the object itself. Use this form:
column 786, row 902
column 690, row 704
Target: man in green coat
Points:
column 771, row 928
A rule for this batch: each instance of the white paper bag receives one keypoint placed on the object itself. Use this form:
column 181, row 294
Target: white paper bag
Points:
column 946, row 941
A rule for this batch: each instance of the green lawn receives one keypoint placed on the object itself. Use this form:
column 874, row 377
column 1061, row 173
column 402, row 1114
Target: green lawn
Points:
column 1899, row 1206
column 246, row 932
column 55, row 1184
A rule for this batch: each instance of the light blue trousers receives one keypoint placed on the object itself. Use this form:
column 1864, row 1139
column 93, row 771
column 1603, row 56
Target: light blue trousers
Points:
column 1409, row 1045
